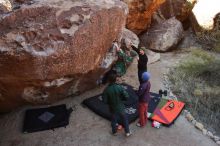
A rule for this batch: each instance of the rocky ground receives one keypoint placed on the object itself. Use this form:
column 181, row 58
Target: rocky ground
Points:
column 87, row 128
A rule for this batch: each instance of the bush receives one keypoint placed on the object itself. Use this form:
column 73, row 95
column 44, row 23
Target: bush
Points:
column 197, row 81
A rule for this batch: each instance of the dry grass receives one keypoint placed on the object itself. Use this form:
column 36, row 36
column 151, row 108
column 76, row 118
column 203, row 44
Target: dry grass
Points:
column 217, row 47
column 197, row 81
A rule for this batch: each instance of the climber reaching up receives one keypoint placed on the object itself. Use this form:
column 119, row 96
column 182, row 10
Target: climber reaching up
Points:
column 142, row 61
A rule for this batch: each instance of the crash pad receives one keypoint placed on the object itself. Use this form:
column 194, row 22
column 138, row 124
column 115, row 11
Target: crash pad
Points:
column 164, row 111
column 39, row 119
column 167, row 111
column 96, row 104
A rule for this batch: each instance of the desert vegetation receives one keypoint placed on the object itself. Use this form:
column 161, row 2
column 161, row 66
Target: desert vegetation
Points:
column 196, row 80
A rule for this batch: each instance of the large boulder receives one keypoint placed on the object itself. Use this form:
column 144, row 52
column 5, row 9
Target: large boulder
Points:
column 140, row 13
column 52, row 49
column 163, row 37
column 129, row 37
column 181, row 9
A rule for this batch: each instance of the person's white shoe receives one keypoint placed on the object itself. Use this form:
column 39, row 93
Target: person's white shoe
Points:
column 128, row 134
column 138, row 125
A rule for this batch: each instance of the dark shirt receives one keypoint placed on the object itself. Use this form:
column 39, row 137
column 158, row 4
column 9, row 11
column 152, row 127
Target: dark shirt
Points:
column 113, row 96
column 144, row 92
column 142, row 62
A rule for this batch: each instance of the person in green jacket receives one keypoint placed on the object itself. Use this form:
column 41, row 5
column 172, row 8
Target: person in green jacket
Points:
column 122, row 62
column 113, row 96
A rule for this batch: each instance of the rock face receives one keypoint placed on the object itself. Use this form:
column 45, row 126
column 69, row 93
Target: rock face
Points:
column 152, row 57
column 54, row 48
column 5, row 6
column 180, row 9
column 204, row 13
column 140, row 13
column 127, row 38
column 163, row 37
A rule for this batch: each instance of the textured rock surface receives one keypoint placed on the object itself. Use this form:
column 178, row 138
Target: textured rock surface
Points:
column 54, row 48
column 216, row 138
column 189, row 117
column 164, row 36
column 181, row 9
column 129, row 37
column 152, row 56
column 5, row 6
column 204, row 13
column 210, row 134
column 204, row 131
column 199, row 126
column 140, row 13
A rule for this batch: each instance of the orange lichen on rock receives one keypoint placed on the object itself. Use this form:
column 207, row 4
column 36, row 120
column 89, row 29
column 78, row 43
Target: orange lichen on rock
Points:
column 140, row 13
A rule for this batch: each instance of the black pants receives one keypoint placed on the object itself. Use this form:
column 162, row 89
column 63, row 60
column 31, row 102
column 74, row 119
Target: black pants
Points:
column 115, row 118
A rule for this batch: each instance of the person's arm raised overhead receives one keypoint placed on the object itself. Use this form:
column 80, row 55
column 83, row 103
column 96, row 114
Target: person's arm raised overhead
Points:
column 134, row 48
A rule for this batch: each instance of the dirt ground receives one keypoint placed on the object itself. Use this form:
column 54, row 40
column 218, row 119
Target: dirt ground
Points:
column 89, row 129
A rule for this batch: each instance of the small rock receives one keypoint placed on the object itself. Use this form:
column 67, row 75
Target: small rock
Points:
column 199, row 126
column 186, row 111
column 216, row 138
column 204, row 131
column 210, row 134
column 189, row 117
column 194, row 122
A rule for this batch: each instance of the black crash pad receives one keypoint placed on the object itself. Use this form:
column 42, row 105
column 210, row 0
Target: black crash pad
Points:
column 46, row 118
column 99, row 107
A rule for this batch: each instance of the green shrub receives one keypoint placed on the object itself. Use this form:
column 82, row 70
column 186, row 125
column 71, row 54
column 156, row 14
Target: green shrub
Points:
column 199, row 64
column 197, row 81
